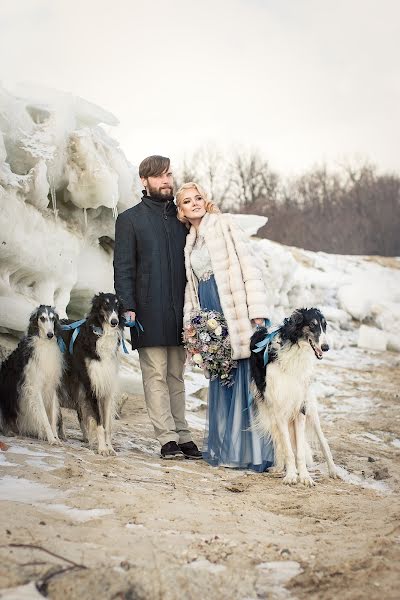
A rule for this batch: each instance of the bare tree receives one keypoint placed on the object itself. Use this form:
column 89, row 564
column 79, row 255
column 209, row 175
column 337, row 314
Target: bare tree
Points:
column 352, row 210
column 208, row 167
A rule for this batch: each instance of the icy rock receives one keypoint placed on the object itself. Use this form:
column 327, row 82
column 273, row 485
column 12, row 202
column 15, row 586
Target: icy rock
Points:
column 372, row 338
column 38, row 260
column 386, row 314
column 355, row 301
column 3, row 151
column 92, row 183
column 37, row 186
column 62, row 182
column 393, row 343
column 22, row 592
column 335, row 315
column 14, row 314
column 250, row 223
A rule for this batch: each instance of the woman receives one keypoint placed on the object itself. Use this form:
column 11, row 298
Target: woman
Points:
column 222, row 276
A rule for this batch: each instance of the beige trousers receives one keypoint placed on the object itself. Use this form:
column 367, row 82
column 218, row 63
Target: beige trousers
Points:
column 164, row 392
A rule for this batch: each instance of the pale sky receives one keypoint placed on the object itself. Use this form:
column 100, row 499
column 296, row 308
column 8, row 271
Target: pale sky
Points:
column 303, row 81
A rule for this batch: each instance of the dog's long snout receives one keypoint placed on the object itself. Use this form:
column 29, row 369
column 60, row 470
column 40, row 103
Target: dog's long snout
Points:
column 114, row 322
column 324, row 347
column 50, row 334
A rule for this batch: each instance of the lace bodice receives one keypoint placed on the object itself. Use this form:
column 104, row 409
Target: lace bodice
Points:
column 200, row 260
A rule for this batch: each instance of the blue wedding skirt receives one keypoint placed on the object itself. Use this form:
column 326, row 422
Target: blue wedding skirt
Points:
column 229, row 438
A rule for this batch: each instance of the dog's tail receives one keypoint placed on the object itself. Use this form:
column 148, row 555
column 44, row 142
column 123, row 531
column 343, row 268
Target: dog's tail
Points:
column 257, row 368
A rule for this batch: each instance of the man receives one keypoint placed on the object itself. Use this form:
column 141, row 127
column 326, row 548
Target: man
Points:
column 149, row 276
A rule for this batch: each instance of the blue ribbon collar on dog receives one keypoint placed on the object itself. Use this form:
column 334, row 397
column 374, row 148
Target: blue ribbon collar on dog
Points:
column 264, row 344
column 76, row 327
column 61, row 344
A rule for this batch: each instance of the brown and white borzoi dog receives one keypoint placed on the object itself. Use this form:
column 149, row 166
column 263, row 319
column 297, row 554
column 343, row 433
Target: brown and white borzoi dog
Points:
column 91, row 374
column 30, row 380
column 283, row 395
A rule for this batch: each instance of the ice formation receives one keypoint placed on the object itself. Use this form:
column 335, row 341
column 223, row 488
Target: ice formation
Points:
column 352, row 291
column 372, row 338
column 62, row 181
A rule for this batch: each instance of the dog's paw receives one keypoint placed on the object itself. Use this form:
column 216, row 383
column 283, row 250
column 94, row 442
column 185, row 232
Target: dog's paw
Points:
column 290, row 479
column 333, row 473
column 276, row 470
column 111, row 451
column 55, row 442
column 306, row 479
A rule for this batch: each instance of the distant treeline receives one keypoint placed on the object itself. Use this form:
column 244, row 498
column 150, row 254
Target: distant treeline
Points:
column 352, row 210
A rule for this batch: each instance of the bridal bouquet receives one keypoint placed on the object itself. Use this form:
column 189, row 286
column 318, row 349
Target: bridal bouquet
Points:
column 207, row 342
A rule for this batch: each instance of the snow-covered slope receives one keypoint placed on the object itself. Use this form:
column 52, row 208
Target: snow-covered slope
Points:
column 357, row 294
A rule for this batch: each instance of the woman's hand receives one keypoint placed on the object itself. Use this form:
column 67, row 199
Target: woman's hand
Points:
column 256, row 322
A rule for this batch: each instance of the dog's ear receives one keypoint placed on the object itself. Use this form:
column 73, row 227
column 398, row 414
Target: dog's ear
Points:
column 321, row 319
column 257, row 367
column 97, row 301
column 293, row 325
column 57, row 326
column 318, row 314
column 33, row 327
column 121, row 309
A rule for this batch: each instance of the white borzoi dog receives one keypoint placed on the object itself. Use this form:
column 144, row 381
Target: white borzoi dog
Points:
column 283, row 394
column 30, row 379
column 91, row 373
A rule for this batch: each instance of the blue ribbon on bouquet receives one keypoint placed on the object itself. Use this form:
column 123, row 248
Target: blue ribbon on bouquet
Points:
column 264, row 344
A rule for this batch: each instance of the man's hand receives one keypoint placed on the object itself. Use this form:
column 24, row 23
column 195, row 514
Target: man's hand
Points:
column 130, row 315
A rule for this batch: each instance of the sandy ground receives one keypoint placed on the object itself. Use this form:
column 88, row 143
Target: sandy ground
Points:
column 136, row 527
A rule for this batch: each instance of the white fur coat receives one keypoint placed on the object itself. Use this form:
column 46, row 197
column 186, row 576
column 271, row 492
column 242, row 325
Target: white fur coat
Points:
column 239, row 281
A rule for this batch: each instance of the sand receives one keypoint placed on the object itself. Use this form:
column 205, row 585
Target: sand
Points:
column 137, row 527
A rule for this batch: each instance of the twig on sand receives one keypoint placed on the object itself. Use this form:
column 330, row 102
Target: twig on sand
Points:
column 41, row 584
column 36, row 547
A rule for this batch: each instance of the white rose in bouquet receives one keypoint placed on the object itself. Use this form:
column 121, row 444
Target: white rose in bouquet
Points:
column 198, row 359
column 212, row 324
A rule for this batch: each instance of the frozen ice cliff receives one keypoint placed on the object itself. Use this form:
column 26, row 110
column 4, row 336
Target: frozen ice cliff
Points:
column 63, row 179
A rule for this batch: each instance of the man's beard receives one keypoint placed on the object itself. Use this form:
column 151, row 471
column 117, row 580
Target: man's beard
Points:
column 161, row 193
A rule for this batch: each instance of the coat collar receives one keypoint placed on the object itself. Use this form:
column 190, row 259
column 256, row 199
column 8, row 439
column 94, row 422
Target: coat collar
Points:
column 207, row 221
column 163, row 206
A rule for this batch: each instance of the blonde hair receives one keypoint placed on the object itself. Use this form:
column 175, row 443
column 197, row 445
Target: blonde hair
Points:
column 209, row 206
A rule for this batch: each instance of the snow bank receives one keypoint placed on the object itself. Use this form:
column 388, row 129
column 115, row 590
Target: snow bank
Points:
column 372, row 338
column 351, row 291
column 251, row 223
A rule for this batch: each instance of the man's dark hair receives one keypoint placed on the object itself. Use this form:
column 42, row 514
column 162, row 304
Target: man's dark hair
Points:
column 153, row 166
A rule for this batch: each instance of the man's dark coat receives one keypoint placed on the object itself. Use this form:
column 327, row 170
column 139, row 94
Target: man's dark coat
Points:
column 149, row 270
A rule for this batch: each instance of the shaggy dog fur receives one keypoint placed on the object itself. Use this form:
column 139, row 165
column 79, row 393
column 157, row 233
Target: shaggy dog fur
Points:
column 30, row 379
column 283, row 394
column 91, row 374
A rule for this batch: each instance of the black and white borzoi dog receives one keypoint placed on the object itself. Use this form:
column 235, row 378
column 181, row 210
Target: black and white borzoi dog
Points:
column 30, row 379
column 91, row 374
column 283, row 394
